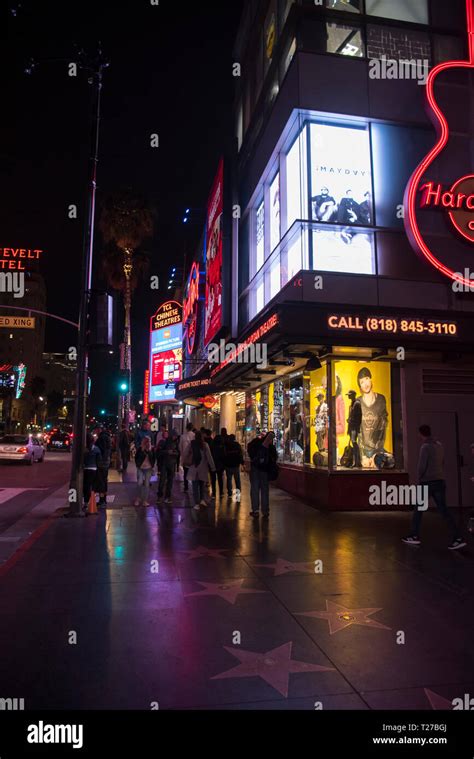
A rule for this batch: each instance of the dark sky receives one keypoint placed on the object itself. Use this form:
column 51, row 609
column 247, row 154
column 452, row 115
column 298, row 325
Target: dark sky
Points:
column 170, row 73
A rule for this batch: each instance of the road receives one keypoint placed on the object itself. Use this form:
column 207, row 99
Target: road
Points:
column 22, row 487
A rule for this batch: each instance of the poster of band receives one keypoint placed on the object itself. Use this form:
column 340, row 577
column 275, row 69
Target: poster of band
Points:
column 214, row 247
column 341, row 181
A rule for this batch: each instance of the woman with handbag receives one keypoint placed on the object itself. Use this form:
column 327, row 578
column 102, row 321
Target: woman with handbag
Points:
column 264, row 469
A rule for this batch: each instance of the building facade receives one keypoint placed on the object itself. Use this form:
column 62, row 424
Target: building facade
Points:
column 365, row 338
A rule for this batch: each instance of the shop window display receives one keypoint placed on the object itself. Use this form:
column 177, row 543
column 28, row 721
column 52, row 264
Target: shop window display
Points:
column 318, row 426
column 277, row 417
column 362, row 405
column 294, row 428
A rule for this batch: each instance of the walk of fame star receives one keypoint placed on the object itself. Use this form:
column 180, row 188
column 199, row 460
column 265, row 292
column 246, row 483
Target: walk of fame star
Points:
column 283, row 567
column 339, row 617
column 208, row 553
column 229, row 591
column 437, row 702
column 275, row 667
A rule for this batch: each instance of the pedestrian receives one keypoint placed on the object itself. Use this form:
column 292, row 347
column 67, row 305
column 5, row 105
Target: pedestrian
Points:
column 145, row 462
column 162, row 434
column 234, row 459
column 144, row 431
column 104, row 444
column 92, row 460
column 202, row 464
column 431, row 475
column 167, row 456
column 218, row 454
column 185, row 452
column 263, row 456
column 124, row 447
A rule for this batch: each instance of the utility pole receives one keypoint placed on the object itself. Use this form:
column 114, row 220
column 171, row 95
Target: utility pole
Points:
column 96, row 69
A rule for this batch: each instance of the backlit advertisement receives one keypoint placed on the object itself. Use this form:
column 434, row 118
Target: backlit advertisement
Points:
column 341, row 194
column 166, row 352
column 214, row 246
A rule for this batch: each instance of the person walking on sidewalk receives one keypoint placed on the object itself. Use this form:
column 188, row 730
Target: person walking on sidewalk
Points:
column 264, row 458
column 124, row 443
column 144, row 431
column 218, row 454
column 234, row 459
column 431, row 475
column 167, row 455
column 92, row 461
column 202, row 464
column 104, row 444
column 185, row 452
column 145, row 461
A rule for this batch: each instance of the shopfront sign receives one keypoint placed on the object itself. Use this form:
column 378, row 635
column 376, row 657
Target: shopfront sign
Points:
column 191, row 309
column 267, row 326
column 214, row 257
column 146, row 394
column 455, row 201
column 209, row 401
column 403, row 325
column 17, row 259
column 166, row 352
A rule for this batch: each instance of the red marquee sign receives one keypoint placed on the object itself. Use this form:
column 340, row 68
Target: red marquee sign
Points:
column 457, row 201
column 191, row 308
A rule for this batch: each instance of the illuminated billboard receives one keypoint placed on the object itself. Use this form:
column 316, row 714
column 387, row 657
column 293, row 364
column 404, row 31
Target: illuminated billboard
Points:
column 214, row 247
column 166, row 352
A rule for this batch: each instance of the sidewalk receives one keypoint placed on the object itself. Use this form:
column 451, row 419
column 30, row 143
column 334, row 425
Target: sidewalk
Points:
column 169, row 607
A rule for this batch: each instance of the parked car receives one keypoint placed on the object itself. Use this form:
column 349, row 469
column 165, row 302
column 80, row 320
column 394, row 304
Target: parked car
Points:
column 26, row 448
column 60, row 441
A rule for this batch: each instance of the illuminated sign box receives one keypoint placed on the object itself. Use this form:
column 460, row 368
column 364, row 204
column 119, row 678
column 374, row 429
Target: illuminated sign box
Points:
column 15, row 259
column 166, row 352
column 17, row 322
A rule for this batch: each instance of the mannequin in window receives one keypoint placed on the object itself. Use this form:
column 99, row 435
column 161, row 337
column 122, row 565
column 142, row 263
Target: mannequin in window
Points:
column 374, row 419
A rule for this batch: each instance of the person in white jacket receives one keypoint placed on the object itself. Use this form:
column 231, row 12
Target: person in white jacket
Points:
column 185, row 452
column 202, row 464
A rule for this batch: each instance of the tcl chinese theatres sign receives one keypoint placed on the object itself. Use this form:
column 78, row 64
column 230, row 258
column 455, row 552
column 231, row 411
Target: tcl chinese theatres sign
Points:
column 16, row 259
column 214, row 247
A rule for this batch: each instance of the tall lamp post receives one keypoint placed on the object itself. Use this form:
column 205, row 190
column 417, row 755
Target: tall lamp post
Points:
column 96, row 68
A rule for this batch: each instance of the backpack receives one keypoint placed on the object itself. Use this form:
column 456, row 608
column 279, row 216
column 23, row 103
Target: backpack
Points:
column 197, row 456
column 261, row 459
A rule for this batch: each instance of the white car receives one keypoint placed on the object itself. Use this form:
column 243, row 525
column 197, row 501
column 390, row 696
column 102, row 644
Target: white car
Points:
column 26, row 448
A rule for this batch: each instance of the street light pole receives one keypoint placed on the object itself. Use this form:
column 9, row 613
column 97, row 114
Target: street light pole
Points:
column 76, row 482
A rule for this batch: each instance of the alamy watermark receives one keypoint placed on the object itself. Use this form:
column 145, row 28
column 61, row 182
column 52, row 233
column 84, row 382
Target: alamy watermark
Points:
column 12, row 704
column 463, row 287
column 244, row 353
column 388, row 68
column 13, row 282
column 400, row 495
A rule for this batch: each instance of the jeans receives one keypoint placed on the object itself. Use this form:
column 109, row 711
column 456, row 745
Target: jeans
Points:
column 259, row 489
column 437, row 491
column 144, row 477
column 235, row 473
column 198, row 491
column 217, row 477
column 167, row 474
column 125, row 456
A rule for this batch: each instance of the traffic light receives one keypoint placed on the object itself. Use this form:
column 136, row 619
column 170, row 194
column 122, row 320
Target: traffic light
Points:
column 124, row 383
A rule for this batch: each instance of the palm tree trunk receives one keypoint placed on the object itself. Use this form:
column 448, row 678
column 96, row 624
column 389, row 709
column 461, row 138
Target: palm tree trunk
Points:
column 127, row 338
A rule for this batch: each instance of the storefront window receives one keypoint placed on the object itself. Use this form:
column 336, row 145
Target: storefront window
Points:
column 345, row 40
column 318, row 423
column 277, row 416
column 362, row 408
column 260, row 236
column 354, row 6
column 294, row 432
column 275, row 212
column 415, row 11
column 296, row 159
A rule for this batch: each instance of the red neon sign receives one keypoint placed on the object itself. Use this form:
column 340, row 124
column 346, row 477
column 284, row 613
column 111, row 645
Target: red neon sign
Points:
column 190, row 308
column 146, row 395
column 411, row 222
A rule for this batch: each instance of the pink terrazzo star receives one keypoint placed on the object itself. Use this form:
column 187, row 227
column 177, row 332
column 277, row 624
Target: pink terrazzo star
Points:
column 437, row 702
column 229, row 591
column 206, row 553
column 275, row 667
column 283, row 567
column 339, row 617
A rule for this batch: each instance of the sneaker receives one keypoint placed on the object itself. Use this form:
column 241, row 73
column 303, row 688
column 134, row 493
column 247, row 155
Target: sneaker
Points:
column 266, row 516
column 146, row 505
column 137, row 503
column 169, row 500
column 412, row 541
column 197, row 507
column 203, row 503
column 458, row 543
column 254, row 514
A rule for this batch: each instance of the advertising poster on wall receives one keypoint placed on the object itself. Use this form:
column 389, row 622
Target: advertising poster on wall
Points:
column 214, row 248
column 166, row 352
column 341, row 182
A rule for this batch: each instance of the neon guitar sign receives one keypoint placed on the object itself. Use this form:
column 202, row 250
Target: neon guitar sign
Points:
column 456, row 200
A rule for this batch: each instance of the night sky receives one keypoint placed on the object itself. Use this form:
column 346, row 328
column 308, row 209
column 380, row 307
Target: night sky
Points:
column 171, row 74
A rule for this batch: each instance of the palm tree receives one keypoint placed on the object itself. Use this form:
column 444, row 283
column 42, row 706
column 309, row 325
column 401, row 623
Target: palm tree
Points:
column 125, row 223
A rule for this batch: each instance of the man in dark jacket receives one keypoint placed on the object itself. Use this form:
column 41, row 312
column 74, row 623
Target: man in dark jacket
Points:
column 104, row 444
column 124, row 448
column 167, row 460
column 263, row 456
column 234, row 459
column 217, row 448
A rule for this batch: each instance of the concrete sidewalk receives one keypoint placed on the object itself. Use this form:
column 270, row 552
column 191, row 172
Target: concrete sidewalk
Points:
column 165, row 606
